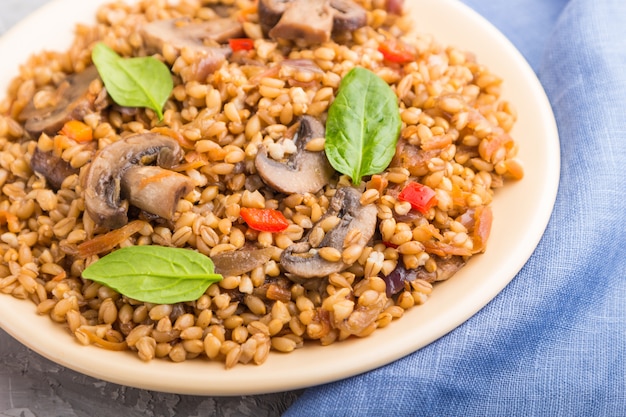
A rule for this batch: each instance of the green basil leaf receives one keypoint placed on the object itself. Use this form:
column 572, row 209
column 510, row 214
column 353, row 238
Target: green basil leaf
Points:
column 363, row 125
column 133, row 82
column 155, row 274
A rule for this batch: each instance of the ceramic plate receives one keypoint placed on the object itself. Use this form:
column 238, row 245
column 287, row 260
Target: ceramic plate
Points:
column 521, row 212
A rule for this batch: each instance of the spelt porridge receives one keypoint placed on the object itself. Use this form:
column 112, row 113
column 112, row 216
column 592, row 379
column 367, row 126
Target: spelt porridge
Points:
column 253, row 159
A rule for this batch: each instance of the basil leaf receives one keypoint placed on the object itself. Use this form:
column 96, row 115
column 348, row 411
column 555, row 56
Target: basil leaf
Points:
column 155, row 274
column 363, row 125
column 133, row 82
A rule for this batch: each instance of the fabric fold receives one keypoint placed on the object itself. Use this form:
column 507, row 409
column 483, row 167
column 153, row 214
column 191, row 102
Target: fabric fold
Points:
column 553, row 342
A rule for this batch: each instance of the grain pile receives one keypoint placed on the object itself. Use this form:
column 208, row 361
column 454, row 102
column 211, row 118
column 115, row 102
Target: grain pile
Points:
column 454, row 139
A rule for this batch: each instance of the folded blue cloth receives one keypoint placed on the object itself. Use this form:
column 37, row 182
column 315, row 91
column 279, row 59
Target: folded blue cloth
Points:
column 553, row 343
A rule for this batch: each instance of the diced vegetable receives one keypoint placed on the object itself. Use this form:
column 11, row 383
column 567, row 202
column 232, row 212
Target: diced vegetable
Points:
column 77, row 130
column 241, row 44
column 421, row 197
column 396, row 51
column 396, row 279
column 483, row 218
column 105, row 242
column 264, row 220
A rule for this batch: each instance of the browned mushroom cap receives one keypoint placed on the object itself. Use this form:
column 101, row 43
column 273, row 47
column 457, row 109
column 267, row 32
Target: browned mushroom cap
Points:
column 304, row 171
column 309, row 21
column 74, row 101
column 105, row 178
column 304, row 261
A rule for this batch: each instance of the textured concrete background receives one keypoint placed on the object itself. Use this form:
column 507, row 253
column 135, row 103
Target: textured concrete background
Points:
column 32, row 386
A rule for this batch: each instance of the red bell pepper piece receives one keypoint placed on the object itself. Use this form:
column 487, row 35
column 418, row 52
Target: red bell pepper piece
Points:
column 396, row 51
column 421, row 197
column 264, row 220
column 241, row 44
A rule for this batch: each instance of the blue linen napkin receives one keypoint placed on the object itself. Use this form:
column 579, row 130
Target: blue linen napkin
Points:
column 553, row 343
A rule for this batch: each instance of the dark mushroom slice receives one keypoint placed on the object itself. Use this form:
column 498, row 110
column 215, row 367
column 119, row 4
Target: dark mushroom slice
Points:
column 104, row 178
column 304, row 261
column 307, row 21
column 52, row 167
column 347, row 15
column 74, row 101
column 304, row 171
column 238, row 262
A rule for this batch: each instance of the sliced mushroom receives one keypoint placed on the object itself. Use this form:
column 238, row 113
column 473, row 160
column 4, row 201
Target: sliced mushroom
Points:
column 304, row 171
column 304, row 261
column 53, row 168
column 309, row 21
column 105, row 178
column 240, row 261
column 203, row 39
column 270, row 12
column 154, row 189
column 74, row 101
column 446, row 267
column 182, row 33
column 347, row 15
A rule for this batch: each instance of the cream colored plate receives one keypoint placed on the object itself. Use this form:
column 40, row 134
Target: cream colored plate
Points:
column 521, row 212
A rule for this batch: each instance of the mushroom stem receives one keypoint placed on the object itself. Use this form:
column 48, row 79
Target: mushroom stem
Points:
column 154, row 189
